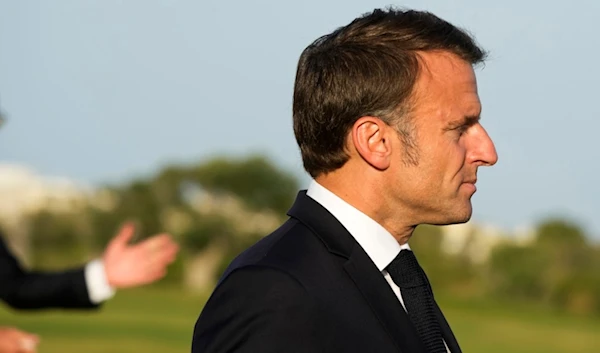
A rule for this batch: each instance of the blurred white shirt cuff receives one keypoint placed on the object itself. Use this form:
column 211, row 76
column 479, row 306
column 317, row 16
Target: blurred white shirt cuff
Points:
column 97, row 284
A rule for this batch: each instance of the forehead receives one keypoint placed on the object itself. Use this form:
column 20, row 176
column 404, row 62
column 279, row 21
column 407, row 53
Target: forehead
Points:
column 446, row 85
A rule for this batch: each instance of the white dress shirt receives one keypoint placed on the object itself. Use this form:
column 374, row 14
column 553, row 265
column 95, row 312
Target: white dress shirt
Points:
column 377, row 242
column 97, row 285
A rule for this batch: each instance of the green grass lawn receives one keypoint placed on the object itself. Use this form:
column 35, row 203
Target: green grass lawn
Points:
column 160, row 320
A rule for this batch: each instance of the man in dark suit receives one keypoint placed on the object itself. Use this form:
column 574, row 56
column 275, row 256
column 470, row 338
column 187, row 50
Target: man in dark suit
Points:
column 121, row 266
column 386, row 115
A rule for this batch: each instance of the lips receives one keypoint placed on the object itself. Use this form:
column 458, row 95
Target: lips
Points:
column 471, row 184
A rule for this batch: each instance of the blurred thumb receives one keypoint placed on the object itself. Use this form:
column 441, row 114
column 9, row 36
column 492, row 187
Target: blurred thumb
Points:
column 124, row 235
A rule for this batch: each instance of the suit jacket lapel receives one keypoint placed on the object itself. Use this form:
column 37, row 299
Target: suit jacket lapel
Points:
column 447, row 332
column 363, row 272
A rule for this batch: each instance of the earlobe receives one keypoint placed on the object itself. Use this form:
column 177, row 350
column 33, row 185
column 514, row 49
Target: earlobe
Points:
column 371, row 142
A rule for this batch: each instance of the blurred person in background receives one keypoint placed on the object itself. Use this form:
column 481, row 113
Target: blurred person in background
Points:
column 387, row 117
column 122, row 265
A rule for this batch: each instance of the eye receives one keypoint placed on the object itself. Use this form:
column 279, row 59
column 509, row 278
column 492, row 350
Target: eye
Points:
column 462, row 129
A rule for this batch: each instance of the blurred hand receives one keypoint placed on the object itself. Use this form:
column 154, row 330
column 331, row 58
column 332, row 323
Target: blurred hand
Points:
column 135, row 265
column 16, row 341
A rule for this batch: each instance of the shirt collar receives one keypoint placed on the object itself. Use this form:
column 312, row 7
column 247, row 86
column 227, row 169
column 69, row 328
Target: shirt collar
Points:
column 377, row 242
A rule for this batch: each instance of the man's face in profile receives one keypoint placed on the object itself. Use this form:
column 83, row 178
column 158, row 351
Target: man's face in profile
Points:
column 450, row 140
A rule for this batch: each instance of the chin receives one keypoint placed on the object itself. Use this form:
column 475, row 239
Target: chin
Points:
column 454, row 219
column 456, row 215
column 463, row 219
column 454, row 212
column 463, row 215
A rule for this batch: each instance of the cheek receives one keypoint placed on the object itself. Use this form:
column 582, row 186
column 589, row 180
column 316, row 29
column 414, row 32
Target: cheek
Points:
column 456, row 152
column 452, row 160
column 427, row 178
column 459, row 155
column 439, row 165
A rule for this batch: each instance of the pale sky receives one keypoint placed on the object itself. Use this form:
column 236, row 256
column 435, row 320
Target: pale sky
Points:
column 103, row 91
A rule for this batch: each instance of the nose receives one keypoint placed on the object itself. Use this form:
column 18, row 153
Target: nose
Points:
column 482, row 150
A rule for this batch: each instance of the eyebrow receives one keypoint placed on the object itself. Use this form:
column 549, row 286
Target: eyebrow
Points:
column 466, row 121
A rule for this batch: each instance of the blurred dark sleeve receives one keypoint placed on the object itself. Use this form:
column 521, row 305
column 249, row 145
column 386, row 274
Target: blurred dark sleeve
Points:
column 22, row 289
column 257, row 309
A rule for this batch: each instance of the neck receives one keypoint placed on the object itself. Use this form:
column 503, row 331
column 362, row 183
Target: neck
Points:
column 370, row 198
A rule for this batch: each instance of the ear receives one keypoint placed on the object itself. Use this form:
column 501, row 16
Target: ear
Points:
column 371, row 140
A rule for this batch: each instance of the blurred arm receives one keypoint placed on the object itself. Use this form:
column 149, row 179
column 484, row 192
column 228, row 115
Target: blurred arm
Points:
column 122, row 266
column 23, row 289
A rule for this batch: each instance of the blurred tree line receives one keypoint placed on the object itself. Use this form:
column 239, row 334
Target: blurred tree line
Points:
column 218, row 208
column 559, row 268
column 214, row 210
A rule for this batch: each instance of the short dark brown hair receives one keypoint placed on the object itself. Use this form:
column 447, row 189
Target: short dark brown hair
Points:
column 367, row 68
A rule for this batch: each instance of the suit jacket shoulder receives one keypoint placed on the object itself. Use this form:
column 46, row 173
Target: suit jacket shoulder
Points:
column 291, row 249
column 301, row 289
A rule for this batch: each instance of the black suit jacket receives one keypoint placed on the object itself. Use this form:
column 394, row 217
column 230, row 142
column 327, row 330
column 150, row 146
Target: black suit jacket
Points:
column 307, row 287
column 23, row 289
